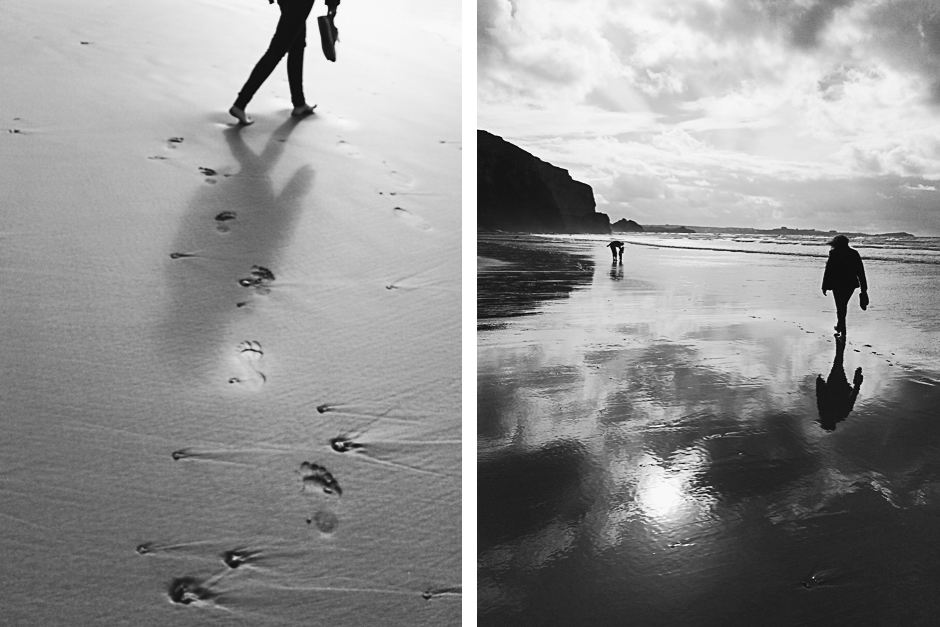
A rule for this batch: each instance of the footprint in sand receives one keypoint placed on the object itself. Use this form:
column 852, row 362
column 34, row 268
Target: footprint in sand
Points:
column 348, row 149
column 411, row 219
column 325, row 520
column 401, row 179
column 315, row 476
column 187, row 590
column 209, row 172
column 236, row 557
column 260, row 278
column 222, row 219
column 344, row 444
column 249, row 356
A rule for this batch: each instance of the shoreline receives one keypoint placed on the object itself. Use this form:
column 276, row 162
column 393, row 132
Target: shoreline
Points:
column 655, row 443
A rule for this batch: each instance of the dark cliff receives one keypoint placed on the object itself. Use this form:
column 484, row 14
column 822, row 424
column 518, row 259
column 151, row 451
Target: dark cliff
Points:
column 517, row 191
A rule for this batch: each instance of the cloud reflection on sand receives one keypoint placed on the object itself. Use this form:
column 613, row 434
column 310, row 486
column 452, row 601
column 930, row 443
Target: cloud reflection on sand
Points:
column 697, row 472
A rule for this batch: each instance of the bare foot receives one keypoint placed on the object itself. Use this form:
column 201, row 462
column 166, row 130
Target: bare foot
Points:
column 243, row 118
column 301, row 112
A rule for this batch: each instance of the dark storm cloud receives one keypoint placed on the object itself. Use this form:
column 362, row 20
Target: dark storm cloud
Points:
column 903, row 33
column 907, row 34
column 806, row 31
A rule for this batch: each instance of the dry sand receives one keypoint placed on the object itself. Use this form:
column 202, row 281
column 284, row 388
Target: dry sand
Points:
column 116, row 152
column 652, row 449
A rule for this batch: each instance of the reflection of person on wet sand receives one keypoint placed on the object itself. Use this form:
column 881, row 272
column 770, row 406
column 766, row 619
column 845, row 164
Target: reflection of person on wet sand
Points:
column 290, row 39
column 835, row 398
column 616, row 271
column 844, row 273
column 615, row 248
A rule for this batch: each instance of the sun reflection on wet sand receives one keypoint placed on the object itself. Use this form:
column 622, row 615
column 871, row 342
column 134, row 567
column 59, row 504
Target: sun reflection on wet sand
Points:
column 650, row 446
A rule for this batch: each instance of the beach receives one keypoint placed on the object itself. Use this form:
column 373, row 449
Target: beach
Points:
column 230, row 387
column 680, row 439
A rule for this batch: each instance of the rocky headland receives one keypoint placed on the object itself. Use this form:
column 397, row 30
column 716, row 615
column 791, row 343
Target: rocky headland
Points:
column 517, row 191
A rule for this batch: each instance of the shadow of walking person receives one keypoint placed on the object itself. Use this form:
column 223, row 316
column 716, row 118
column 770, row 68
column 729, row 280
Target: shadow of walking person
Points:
column 225, row 254
column 835, row 397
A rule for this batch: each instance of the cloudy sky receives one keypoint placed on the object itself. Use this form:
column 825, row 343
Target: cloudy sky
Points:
column 765, row 113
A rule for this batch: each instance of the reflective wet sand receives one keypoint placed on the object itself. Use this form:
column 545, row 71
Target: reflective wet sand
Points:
column 681, row 441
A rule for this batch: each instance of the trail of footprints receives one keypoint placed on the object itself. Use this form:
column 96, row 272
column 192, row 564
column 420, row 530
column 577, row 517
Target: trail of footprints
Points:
column 317, row 483
column 888, row 360
column 315, row 478
column 406, row 183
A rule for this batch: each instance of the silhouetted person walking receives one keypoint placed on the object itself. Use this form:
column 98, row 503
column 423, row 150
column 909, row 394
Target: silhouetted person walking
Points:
column 844, row 273
column 290, row 38
column 615, row 248
column 835, row 398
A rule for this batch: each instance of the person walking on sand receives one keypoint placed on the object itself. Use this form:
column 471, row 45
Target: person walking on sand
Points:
column 844, row 273
column 290, row 38
column 615, row 248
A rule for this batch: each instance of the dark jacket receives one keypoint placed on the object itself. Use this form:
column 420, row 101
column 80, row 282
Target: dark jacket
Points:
column 330, row 4
column 844, row 270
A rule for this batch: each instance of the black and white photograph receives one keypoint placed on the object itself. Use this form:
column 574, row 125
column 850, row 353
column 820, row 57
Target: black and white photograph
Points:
column 708, row 272
column 230, row 249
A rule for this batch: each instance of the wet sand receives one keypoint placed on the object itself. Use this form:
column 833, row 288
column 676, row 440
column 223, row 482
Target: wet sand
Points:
column 675, row 441
column 230, row 389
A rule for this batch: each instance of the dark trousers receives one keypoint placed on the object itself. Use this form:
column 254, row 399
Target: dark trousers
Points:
column 290, row 38
column 842, row 297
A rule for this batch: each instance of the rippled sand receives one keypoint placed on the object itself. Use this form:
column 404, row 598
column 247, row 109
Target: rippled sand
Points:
column 230, row 383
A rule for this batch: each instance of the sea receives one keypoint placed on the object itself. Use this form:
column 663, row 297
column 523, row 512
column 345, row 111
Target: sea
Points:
column 912, row 249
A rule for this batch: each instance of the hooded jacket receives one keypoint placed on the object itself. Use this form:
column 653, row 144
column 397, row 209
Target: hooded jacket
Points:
column 844, row 270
